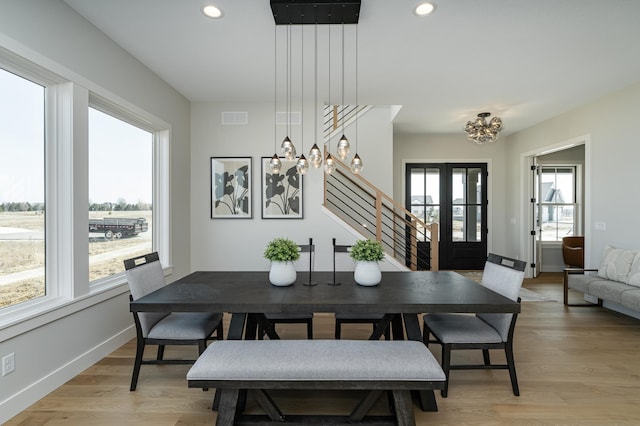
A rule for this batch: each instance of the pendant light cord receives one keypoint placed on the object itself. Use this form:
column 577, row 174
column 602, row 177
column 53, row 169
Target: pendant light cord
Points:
column 357, row 106
column 275, row 87
column 342, row 106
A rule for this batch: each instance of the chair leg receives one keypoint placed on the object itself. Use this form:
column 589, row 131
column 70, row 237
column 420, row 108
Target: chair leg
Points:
column 387, row 333
column 160, row 352
column 338, row 329
column 508, row 350
column 485, row 355
column 425, row 335
column 446, row 366
column 137, row 363
column 310, row 329
column 220, row 331
column 202, row 346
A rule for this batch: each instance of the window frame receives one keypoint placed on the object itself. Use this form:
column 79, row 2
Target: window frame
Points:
column 577, row 209
column 67, row 102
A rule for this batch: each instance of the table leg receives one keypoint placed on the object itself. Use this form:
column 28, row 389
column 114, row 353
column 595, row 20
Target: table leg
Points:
column 396, row 328
column 236, row 327
column 381, row 327
column 412, row 326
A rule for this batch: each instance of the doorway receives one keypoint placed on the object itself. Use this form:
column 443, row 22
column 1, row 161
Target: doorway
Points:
column 455, row 196
column 550, row 213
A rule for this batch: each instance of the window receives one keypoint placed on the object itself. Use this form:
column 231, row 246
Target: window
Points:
column 49, row 127
column 120, row 193
column 22, row 197
column 558, row 206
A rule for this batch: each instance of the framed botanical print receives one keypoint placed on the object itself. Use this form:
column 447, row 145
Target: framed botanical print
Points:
column 231, row 187
column 282, row 192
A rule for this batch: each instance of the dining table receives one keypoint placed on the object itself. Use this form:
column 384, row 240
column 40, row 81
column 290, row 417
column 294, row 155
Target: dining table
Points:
column 401, row 295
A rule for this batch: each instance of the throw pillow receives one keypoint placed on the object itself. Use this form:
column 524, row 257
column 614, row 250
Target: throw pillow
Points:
column 634, row 272
column 616, row 263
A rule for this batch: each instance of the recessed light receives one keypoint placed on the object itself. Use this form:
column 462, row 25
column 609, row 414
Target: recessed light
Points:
column 424, row 9
column 212, row 11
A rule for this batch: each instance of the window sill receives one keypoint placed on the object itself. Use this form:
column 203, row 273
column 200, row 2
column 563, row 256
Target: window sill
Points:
column 39, row 313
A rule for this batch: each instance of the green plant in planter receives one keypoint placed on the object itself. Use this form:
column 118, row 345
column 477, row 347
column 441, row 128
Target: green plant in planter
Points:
column 281, row 249
column 367, row 251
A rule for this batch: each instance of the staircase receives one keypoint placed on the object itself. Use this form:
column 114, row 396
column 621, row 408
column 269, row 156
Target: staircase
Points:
column 372, row 213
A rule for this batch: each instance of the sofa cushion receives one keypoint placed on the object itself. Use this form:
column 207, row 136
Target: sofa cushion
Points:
column 581, row 282
column 616, row 263
column 609, row 290
column 634, row 273
column 631, row 299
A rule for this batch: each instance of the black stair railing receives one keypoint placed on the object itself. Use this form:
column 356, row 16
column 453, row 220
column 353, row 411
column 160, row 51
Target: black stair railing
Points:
column 377, row 216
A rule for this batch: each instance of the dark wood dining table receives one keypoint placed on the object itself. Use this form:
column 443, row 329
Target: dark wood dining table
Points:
column 403, row 296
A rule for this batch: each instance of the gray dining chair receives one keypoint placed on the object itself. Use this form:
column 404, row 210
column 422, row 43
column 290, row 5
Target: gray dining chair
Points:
column 297, row 318
column 483, row 331
column 145, row 275
column 352, row 317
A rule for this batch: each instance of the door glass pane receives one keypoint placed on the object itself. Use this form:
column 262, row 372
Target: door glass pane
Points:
column 425, row 193
column 458, row 224
column 22, row 195
column 474, row 177
column 459, row 186
column 120, row 193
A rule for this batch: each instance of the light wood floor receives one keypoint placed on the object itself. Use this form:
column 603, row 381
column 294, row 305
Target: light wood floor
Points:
column 576, row 366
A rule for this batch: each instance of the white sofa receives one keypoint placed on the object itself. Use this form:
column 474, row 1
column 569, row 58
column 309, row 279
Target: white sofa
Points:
column 617, row 280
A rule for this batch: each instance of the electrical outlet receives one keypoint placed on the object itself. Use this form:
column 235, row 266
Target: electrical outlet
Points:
column 8, row 364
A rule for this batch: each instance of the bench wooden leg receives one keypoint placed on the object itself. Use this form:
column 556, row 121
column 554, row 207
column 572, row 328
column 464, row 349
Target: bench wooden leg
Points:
column 269, row 406
column 364, row 406
column 403, row 408
column 228, row 407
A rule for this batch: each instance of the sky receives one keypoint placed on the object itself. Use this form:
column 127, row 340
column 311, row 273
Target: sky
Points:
column 120, row 155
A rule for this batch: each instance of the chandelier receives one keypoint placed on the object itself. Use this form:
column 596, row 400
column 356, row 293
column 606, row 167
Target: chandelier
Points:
column 314, row 12
column 482, row 132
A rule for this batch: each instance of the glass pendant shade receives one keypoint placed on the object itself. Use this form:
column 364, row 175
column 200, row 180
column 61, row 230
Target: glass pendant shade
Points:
column 315, row 156
column 302, row 166
column 343, row 147
column 329, row 165
column 356, row 164
column 275, row 164
column 287, row 149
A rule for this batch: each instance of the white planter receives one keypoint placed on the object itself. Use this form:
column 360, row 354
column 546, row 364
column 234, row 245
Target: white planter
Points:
column 367, row 273
column 282, row 273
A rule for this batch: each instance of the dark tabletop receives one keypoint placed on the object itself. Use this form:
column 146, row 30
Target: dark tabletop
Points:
column 251, row 292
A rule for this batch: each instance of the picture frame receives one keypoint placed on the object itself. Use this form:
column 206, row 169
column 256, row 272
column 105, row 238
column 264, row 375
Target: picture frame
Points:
column 282, row 194
column 231, row 188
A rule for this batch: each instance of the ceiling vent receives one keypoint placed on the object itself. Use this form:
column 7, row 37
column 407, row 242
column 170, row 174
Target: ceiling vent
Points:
column 235, row 118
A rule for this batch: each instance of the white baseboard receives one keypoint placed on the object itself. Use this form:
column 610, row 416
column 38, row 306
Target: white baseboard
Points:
column 27, row 396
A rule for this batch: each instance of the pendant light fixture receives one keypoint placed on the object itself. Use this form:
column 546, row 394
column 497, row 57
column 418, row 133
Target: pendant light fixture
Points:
column 275, row 164
column 287, row 148
column 315, row 155
column 302, row 166
column 343, row 147
column 356, row 162
column 329, row 162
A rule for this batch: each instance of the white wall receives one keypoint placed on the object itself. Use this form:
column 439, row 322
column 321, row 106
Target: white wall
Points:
column 70, row 339
column 234, row 244
column 419, row 148
column 611, row 164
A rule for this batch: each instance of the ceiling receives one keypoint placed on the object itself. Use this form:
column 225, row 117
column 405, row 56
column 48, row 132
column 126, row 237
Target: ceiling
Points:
column 522, row 60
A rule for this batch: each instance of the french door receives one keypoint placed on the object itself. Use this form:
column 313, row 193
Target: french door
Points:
column 455, row 196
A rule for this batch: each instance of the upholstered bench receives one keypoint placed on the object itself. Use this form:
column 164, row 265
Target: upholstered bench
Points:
column 261, row 365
